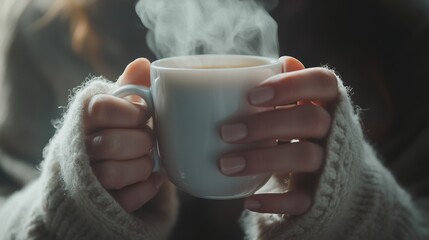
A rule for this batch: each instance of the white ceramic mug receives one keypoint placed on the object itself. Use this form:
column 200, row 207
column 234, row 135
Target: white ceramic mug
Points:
column 190, row 98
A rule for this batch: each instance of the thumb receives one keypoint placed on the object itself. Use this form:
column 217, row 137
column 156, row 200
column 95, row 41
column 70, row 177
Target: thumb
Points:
column 291, row 64
column 137, row 72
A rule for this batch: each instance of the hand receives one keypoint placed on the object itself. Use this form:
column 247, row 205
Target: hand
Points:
column 118, row 142
column 302, row 98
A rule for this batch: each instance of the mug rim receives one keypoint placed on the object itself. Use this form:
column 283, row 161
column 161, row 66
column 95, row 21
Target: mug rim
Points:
column 269, row 62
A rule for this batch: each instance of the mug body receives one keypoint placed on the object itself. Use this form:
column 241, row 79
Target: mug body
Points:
column 193, row 96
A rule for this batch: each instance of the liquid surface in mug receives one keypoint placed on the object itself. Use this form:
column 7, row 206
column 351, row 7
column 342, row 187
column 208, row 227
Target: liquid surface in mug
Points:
column 223, row 66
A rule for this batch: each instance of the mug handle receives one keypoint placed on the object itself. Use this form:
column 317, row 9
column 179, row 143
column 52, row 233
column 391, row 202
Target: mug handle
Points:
column 144, row 93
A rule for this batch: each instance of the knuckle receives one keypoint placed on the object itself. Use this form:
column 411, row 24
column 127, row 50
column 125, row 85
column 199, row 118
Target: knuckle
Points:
column 255, row 127
column 326, row 75
column 320, row 120
column 328, row 81
column 311, row 155
column 108, row 175
column 145, row 192
column 256, row 160
column 128, row 204
column 98, row 106
column 263, row 127
column 146, row 137
column 146, row 167
column 148, row 133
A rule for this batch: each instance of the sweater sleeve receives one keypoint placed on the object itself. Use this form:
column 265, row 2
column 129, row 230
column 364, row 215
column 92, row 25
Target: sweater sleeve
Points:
column 356, row 197
column 68, row 202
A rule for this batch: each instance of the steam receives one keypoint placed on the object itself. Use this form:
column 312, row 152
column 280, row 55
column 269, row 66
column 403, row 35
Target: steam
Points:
column 188, row 27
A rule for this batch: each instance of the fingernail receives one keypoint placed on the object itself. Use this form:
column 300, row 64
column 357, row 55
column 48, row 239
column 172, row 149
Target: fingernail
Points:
column 252, row 204
column 261, row 95
column 231, row 165
column 233, row 132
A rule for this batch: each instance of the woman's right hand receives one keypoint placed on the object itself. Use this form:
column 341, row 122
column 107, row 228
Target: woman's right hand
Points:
column 118, row 142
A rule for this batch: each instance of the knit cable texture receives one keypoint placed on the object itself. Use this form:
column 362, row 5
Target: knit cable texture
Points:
column 68, row 202
column 356, row 197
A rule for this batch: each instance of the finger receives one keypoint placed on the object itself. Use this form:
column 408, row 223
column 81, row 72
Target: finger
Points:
column 137, row 72
column 293, row 203
column 291, row 64
column 135, row 196
column 307, row 181
column 118, row 174
column 110, row 144
column 299, row 122
column 293, row 157
column 106, row 111
column 312, row 84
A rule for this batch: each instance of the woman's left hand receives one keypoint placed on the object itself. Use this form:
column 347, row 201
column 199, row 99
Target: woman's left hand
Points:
column 303, row 99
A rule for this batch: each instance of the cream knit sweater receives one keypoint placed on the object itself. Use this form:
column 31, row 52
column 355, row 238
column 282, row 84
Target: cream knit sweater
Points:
column 356, row 197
